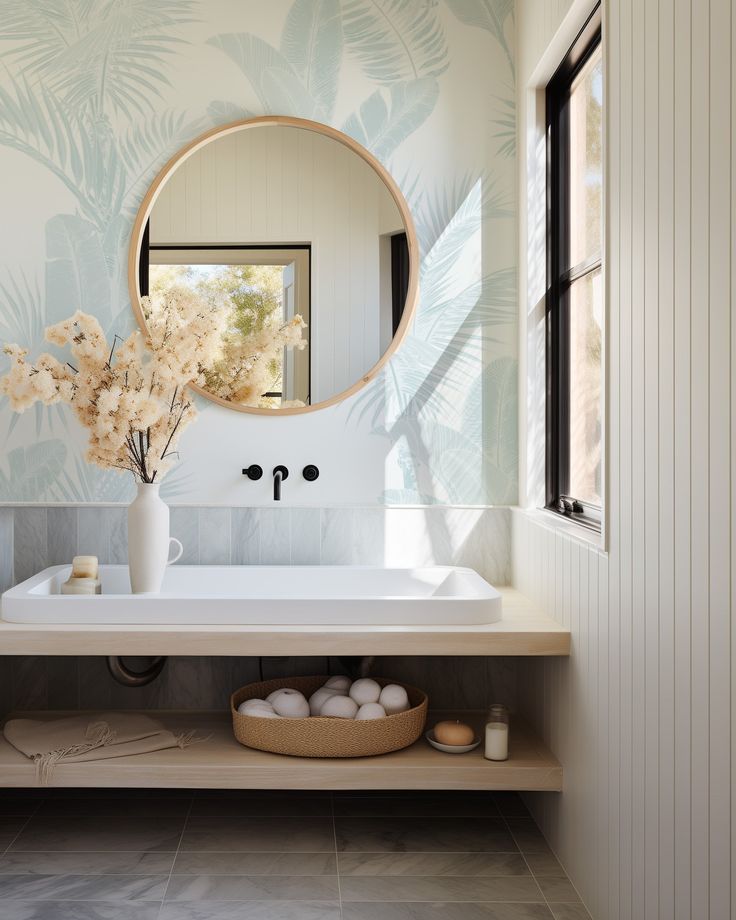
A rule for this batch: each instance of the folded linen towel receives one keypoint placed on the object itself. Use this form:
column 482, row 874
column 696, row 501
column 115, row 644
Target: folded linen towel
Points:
column 90, row 736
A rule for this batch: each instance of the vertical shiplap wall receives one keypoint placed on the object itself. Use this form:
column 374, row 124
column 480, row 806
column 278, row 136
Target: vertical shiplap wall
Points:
column 642, row 715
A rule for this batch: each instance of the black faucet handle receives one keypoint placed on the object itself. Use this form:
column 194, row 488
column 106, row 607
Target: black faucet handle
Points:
column 253, row 471
column 310, row 472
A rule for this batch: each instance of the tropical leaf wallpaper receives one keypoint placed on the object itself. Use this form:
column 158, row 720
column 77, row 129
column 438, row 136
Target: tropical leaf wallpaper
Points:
column 95, row 95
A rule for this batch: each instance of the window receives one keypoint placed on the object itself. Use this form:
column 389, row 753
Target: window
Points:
column 264, row 285
column 575, row 305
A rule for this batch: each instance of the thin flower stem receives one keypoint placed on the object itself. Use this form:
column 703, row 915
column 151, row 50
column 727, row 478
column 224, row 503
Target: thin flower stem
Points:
column 143, row 456
column 173, row 432
column 116, row 339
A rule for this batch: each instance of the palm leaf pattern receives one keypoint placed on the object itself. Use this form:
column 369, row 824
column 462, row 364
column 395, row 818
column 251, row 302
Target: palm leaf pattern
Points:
column 32, row 471
column 275, row 83
column 87, row 481
column 97, row 51
column 382, row 125
column 468, row 193
column 435, row 390
column 491, row 15
column 395, row 40
column 300, row 78
column 312, row 44
column 81, row 95
column 146, row 145
column 21, row 320
column 78, row 65
column 21, row 311
column 504, row 120
column 70, row 144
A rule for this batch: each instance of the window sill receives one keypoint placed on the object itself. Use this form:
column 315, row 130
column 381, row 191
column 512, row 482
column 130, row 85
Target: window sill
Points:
column 553, row 521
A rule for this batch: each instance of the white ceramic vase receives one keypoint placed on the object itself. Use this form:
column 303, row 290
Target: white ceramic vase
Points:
column 149, row 540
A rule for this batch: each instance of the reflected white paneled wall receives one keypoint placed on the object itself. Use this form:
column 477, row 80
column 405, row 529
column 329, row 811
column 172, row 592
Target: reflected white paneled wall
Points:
column 641, row 716
column 284, row 185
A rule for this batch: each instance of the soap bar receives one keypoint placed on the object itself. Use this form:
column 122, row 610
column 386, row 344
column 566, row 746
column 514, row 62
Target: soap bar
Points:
column 84, row 567
column 453, row 733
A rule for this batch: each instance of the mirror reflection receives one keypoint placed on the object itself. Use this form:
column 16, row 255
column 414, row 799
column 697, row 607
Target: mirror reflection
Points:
column 295, row 236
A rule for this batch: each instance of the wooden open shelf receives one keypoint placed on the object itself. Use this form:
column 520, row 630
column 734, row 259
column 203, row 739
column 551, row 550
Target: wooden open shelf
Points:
column 222, row 763
column 523, row 630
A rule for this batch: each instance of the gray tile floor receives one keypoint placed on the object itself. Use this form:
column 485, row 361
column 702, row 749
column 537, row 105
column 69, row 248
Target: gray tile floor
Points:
column 173, row 855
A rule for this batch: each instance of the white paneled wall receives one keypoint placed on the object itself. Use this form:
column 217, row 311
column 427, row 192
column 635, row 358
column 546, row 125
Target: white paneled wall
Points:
column 285, row 185
column 642, row 715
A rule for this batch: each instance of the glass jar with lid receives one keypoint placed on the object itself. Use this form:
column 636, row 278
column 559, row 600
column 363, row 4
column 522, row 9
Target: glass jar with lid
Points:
column 497, row 733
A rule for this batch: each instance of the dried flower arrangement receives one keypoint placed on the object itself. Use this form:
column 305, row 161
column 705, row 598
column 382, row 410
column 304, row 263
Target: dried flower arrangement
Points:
column 133, row 399
column 133, row 395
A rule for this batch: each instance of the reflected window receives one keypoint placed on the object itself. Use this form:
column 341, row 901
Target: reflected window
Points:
column 575, row 307
column 263, row 289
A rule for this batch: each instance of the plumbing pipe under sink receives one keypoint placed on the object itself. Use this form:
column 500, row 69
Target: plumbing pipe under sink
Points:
column 129, row 678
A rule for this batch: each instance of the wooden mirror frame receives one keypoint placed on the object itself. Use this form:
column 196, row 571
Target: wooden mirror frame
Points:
column 144, row 212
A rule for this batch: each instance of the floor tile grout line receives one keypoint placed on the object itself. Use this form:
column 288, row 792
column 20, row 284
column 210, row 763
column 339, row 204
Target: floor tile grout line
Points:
column 337, row 857
column 109, row 852
column 536, row 878
column 523, row 856
column 176, row 854
column 533, row 873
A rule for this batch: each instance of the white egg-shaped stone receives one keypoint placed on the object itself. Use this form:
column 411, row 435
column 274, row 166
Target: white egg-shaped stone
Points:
column 318, row 698
column 339, row 707
column 253, row 705
column 371, row 711
column 365, row 690
column 291, row 704
column 339, row 682
column 272, row 696
column 393, row 698
column 264, row 714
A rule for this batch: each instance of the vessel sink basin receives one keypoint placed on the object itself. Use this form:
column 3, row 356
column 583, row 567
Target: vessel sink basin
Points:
column 265, row 595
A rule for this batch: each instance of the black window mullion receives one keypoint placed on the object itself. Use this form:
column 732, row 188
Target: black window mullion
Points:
column 560, row 274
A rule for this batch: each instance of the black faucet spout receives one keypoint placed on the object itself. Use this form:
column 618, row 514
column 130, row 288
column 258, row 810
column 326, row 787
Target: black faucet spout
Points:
column 279, row 474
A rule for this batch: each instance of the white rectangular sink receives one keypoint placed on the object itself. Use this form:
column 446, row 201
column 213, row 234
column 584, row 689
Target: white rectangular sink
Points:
column 329, row 595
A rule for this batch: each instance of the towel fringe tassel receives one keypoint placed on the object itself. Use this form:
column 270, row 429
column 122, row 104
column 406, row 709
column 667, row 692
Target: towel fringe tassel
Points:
column 98, row 734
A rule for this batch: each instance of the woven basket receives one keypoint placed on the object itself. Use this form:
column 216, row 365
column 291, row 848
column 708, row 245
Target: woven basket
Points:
column 326, row 737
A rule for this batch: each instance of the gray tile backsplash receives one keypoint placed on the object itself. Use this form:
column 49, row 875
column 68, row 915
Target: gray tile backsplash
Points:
column 62, row 531
column 7, row 519
column 30, row 542
column 214, row 535
column 32, row 538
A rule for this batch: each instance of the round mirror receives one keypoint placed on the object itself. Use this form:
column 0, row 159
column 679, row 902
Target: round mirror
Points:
column 302, row 247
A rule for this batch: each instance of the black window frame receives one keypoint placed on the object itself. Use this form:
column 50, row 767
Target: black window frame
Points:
column 560, row 277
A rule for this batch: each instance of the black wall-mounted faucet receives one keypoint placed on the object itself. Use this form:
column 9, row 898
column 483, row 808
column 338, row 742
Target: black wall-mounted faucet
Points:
column 279, row 474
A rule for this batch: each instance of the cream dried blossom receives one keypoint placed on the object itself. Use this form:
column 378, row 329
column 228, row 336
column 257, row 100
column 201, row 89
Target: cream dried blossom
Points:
column 133, row 399
column 244, row 371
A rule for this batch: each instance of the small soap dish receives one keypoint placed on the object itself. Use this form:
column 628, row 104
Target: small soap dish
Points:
column 451, row 748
